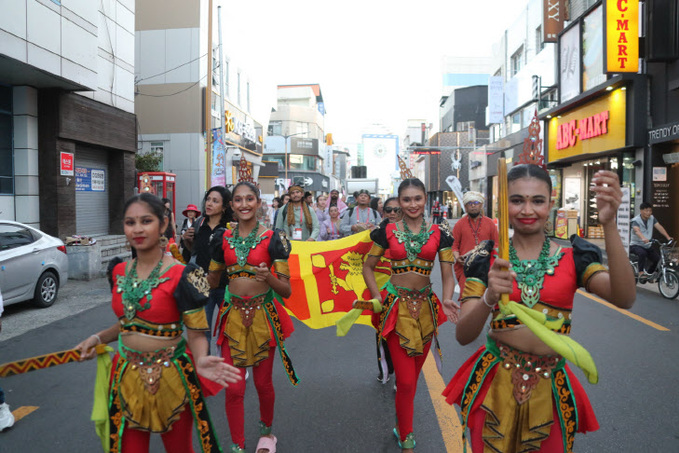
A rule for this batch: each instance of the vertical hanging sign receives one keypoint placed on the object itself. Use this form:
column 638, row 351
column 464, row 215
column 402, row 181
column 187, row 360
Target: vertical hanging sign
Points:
column 554, row 15
column 218, row 172
column 621, row 21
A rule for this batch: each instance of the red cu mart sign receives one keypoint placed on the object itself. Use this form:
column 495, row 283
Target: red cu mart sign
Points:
column 592, row 126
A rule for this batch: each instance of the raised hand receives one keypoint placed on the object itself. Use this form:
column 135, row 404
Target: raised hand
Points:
column 606, row 185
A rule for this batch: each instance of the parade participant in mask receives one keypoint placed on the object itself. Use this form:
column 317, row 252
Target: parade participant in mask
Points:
column 469, row 231
column 516, row 393
column 154, row 386
column 411, row 312
column 252, row 322
column 361, row 217
column 297, row 219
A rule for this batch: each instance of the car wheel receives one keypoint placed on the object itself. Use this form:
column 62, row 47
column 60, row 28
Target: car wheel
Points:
column 46, row 290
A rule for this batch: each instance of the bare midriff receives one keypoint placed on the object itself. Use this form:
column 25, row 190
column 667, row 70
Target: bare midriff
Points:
column 247, row 287
column 410, row 280
column 147, row 343
column 523, row 339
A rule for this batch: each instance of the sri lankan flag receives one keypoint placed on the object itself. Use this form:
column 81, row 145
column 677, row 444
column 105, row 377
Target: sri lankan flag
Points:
column 327, row 277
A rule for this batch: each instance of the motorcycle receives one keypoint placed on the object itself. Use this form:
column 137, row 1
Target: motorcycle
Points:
column 666, row 272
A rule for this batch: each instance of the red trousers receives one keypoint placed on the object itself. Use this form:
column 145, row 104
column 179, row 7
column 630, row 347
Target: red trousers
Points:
column 177, row 440
column 407, row 370
column 235, row 393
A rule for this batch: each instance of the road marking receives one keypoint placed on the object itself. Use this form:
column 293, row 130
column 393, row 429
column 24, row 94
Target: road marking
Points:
column 449, row 422
column 624, row 312
column 23, row 411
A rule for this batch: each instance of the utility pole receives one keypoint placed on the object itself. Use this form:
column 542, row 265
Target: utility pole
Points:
column 208, row 103
column 228, row 165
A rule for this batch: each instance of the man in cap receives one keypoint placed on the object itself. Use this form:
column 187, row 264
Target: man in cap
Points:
column 335, row 200
column 359, row 218
column 469, row 231
column 297, row 220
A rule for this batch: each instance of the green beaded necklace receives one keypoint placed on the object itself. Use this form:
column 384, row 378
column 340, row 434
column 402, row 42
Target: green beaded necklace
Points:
column 134, row 289
column 413, row 242
column 530, row 274
column 242, row 246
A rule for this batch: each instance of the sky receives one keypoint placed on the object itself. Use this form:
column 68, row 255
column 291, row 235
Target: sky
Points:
column 376, row 61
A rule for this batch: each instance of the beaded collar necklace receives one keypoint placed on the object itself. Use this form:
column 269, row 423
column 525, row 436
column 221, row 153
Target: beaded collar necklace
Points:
column 413, row 242
column 530, row 274
column 242, row 246
column 134, row 290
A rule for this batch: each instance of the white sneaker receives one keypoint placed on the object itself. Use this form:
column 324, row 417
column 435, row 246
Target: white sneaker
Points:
column 6, row 417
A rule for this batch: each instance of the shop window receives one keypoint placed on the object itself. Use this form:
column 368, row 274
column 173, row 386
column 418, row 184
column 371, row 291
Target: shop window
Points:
column 275, row 128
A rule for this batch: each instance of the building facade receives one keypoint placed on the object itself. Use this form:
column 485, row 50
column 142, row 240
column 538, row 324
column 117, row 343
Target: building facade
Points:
column 67, row 113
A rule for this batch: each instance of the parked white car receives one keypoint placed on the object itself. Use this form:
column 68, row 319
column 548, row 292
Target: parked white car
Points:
column 33, row 264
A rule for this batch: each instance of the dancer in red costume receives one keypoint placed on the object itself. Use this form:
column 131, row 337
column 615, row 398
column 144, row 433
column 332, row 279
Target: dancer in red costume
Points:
column 252, row 321
column 516, row 394
column 154, row 382
column 411, row 311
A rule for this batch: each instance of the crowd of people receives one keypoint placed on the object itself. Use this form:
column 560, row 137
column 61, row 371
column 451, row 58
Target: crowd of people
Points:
column 235, row 261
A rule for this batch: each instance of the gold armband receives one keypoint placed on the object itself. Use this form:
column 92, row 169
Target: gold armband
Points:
column 473, row 288
column 195, row 319
column 376, row 250
column 281, row 267
column 216, row 267
column 446, row 255
column 590, row 272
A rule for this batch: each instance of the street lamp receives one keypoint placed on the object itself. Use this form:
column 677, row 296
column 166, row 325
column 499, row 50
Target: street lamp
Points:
column 287, row 164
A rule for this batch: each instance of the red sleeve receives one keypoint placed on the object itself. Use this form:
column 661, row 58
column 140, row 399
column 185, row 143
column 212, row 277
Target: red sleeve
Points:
column 457, row 232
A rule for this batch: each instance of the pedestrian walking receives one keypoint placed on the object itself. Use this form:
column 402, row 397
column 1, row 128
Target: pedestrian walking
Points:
column 321, row 209
column 385, row 366
column 411, row 312
column 335, row 200
column 6, row 417
column 285, row 198
column 330, row 228
column 470, row 231
column 154, row 385
column 216, row 215
column 361, row 217
column 191, row 213
column 271, row 214
column 171, row 231
column 516, row 393
column 252, row 322
column 297, row 219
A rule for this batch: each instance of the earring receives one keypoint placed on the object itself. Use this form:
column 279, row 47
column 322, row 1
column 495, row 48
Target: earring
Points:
column 128, row 246
column 163, row 241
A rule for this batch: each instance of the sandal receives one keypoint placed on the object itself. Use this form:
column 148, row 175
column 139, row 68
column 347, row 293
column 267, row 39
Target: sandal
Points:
column 267, row 443
column 236, row 449
column 408, row 442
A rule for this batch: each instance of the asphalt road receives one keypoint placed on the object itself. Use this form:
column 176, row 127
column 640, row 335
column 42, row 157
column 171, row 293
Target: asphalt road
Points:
column 339, row 406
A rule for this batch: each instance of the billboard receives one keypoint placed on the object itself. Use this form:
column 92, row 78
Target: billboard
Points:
column 622, row 35
column 569, row 63
column 379, row 155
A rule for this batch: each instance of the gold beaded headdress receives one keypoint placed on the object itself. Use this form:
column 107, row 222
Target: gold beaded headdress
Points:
column 405, row 171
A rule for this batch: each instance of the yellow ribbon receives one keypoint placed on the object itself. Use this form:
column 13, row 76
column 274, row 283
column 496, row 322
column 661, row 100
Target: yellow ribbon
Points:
column 348, row 320
column 101, row 394
column 544, row 329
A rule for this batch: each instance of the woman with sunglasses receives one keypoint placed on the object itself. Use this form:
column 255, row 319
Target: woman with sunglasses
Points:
column 392, row 212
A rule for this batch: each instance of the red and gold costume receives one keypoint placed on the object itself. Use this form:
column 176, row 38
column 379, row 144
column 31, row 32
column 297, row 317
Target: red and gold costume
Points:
column 410, row 318
column 514, row 401
column 250, row 328
column 150, row 391
column 468, row 234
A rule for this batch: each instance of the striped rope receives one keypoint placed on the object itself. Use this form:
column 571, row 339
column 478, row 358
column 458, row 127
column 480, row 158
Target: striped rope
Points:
column 43, row 361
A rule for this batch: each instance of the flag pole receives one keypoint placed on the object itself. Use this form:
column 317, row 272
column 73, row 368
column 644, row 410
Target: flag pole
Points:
column 503, row 221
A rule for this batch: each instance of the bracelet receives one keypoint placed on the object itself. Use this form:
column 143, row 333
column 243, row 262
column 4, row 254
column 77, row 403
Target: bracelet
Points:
column 485, row 302
column 97, row 337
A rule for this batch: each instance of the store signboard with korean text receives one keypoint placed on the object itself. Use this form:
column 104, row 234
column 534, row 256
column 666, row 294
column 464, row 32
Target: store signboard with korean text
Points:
column 593, row 128
column 621, row 50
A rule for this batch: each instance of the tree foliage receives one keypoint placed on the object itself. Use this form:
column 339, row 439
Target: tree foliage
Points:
column 151, row 161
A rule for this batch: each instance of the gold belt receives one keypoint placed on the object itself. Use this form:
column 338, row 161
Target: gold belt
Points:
column 413, row 300
column 150, row 365
column 527, row 370
column 247, row 307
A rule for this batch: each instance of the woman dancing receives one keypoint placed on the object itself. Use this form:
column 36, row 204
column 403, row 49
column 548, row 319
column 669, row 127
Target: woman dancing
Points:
column 516, row 393
column 252, row 321
column 411, row 311
column 154, row 382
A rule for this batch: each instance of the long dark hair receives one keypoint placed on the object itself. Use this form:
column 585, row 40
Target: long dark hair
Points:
column 529, row 171
column 411, row 182
column 374, row 203
column 227, row 213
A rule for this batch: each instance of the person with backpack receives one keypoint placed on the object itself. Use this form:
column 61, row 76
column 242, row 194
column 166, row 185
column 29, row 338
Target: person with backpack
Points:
column 361, row 217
